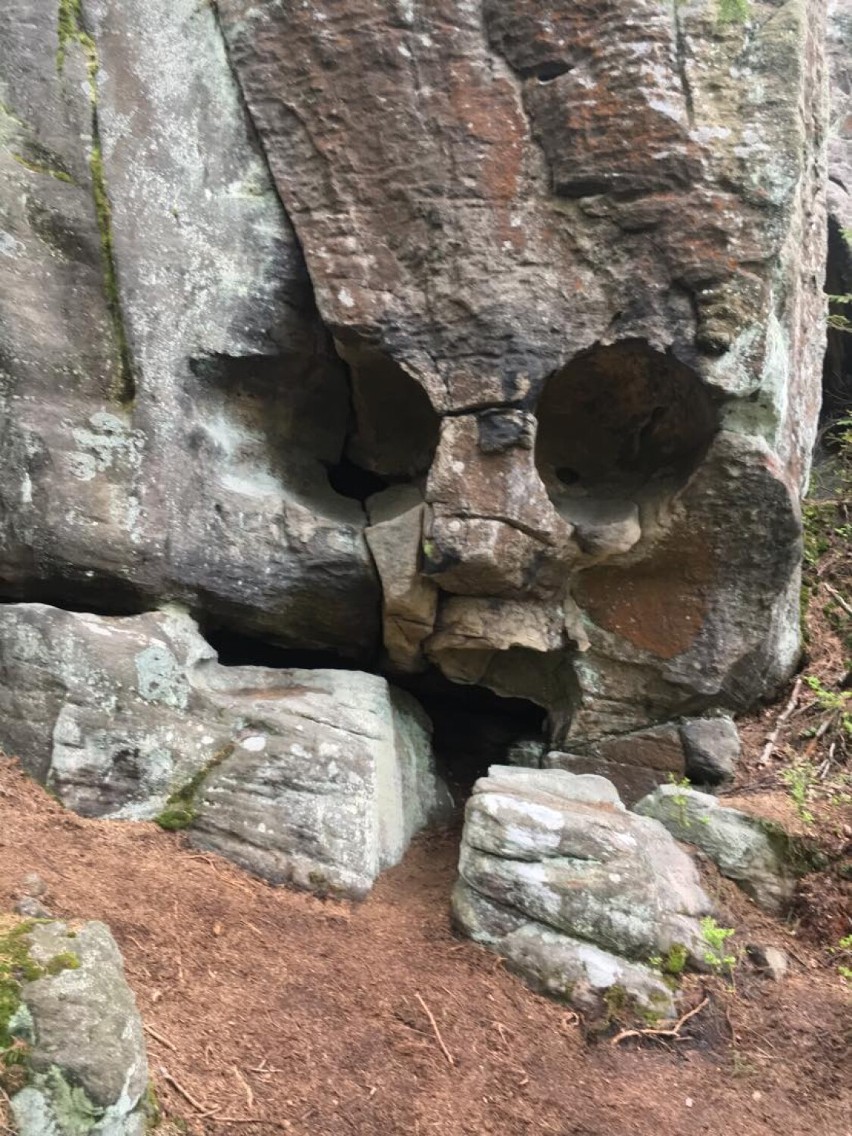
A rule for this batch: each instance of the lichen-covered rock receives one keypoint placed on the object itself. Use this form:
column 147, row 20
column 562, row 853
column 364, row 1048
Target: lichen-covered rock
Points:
column 746, row 850
column 169, row 400
column 86, row 1057
column 320, row 777
column 330, row 776
column 556, row 875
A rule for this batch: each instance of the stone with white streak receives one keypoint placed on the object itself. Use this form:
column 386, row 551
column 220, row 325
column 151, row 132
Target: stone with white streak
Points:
column 317, row 777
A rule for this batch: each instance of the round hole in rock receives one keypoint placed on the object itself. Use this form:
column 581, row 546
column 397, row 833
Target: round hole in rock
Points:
column 618, row 421
column 395, row 429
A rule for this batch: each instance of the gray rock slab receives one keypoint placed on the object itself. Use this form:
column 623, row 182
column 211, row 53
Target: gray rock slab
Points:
column 552, row 863
column 316, row 777
column 746, row 850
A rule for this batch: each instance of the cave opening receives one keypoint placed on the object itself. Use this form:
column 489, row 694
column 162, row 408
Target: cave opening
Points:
column 473, row 728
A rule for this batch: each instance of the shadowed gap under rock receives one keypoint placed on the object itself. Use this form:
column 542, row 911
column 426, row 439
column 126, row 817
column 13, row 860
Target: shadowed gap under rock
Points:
column 474, row 728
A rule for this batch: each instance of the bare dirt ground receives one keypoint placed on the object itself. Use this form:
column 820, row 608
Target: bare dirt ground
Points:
column 270, row 1011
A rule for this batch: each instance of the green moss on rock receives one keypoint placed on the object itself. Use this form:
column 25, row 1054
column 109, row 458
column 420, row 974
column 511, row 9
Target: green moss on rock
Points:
column 181, row 808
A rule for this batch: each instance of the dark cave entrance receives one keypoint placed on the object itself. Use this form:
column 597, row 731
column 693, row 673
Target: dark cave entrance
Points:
column 474, row 728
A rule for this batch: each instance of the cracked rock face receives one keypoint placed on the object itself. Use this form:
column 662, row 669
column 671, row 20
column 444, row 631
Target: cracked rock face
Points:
column 838, row 378
column 483, row 335
column 319, row 778
column 556, row 876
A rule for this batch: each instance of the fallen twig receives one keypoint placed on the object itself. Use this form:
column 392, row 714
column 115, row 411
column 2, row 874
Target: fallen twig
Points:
column 159, row 1037
column 246, row 1086
column 672, row 1031
column 249, row 1120
column 772, row 737
column 833, row 592
column 431, row 1018
column 169, row 1079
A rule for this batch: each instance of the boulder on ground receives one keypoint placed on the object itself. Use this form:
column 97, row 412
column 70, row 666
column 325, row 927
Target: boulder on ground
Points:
column 746, row 850
column 319, row 777
column 575, row 891
column 86, row 1064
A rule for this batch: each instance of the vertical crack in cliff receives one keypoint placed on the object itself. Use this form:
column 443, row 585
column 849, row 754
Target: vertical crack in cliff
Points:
column 680, row 58
column 517, row 78
column 71, row 31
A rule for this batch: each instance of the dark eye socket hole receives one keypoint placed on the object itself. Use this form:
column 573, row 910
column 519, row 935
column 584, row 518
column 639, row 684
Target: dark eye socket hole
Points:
column 567, row 475
column 393, row 429
column 618, row 420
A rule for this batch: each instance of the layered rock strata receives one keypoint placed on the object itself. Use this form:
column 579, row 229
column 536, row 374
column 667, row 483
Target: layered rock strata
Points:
column 577, row 893
column 487, row 334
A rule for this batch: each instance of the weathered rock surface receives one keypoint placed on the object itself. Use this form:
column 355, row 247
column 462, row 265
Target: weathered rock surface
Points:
column 705, row 750
column 838, row 377
column 320, row 777
column 620, row 328
column 551, row 273
column 169, row 399
column 577, row 892
column 711, row 749
column 86, row 1056
column 745, row 849
column 331, row 776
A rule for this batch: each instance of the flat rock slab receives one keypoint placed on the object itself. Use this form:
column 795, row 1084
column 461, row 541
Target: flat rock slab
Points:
column 87, row 1057
column 330, row 776
column 558, row 876
column 745, row 849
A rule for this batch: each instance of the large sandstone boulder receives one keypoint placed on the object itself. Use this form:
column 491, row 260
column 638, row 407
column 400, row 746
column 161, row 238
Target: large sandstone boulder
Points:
column 575, row 891
column 316, row 777
column 589, row 239
column 86, row 1065
column 541, row 280
column 169, row 399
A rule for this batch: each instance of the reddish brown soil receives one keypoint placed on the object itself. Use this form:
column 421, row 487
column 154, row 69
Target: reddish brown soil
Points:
column 276, row 1011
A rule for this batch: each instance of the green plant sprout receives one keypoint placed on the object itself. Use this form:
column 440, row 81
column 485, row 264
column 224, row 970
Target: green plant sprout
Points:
column 715, row 938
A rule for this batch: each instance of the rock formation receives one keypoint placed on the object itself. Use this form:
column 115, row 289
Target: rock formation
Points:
column 86, row 1068
column 838, row 364
column 475, row 335
column 752, row 853
column 576, row 892
column 316, row 777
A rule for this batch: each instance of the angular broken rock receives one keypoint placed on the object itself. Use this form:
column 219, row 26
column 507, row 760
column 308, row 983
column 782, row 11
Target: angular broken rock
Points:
column 86, row 1058
column 577, row 892
column 745, row 849
column 316, row 777
column 711, row 749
